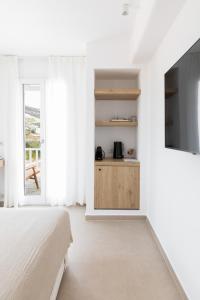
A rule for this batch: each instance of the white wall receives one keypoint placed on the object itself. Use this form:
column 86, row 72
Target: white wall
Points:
column 33, row 67
column 2, row 111
column 112, row 53
column 174, row 190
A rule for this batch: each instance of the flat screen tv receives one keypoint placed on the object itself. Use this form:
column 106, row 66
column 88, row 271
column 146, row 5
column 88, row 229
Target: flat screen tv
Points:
column 182, row 102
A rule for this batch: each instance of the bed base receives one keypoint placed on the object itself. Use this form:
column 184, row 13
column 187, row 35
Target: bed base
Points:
column 59, row 278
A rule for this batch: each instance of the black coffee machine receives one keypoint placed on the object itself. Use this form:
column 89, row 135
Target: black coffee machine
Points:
column 99, row 154
column 118, row 150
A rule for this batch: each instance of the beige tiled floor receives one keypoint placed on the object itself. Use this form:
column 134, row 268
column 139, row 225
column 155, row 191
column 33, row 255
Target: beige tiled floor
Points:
column 114, row 260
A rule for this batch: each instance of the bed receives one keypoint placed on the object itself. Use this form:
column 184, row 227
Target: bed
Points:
column 33, row 252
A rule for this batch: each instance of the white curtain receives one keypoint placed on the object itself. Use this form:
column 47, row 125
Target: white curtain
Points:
column 12, row 129
column 66, row 131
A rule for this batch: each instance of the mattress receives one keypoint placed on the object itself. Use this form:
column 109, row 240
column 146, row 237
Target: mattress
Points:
column 33, row 243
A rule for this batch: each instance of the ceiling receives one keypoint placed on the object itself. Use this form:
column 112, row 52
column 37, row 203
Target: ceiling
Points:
column 152, row 22
column 60, row 27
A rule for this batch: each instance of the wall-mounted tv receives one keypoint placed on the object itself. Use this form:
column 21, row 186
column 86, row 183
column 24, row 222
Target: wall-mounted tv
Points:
column 182, row 102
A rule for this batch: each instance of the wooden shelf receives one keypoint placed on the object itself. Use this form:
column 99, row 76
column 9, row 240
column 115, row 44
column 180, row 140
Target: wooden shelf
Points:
column 116, row 162
column 116, row 94
column 1, row 163
column 103, row 123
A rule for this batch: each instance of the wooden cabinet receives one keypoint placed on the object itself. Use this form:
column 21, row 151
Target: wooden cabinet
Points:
column 117, row 185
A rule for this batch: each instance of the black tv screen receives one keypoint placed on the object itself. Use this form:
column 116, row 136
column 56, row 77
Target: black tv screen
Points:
column 182, row 102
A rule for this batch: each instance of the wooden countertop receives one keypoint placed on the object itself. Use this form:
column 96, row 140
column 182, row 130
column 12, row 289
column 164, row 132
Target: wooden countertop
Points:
column 116, row 162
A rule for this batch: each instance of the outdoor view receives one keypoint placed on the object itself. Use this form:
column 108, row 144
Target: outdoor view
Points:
column 32, row 101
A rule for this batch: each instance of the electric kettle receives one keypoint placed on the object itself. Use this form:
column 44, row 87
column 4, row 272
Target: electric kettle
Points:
column 118, row 150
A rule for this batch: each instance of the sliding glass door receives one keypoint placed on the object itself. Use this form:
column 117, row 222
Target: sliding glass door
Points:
column 34, row 142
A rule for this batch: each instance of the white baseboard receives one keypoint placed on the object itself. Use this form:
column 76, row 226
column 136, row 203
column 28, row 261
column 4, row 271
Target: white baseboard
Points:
column 114, row 213
column 180, row 289
column 99, row 217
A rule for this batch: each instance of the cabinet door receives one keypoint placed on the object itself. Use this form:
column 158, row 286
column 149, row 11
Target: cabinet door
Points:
column 117, row 187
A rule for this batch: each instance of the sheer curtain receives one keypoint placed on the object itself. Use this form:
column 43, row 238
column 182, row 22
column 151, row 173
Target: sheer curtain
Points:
column 11, row 129
column 66, row 131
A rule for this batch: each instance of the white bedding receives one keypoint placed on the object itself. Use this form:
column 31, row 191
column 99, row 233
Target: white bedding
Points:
column 33, row 243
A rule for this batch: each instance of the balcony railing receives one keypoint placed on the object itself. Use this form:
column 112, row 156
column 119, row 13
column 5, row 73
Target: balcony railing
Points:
column 32, row 155
column 32, row 171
